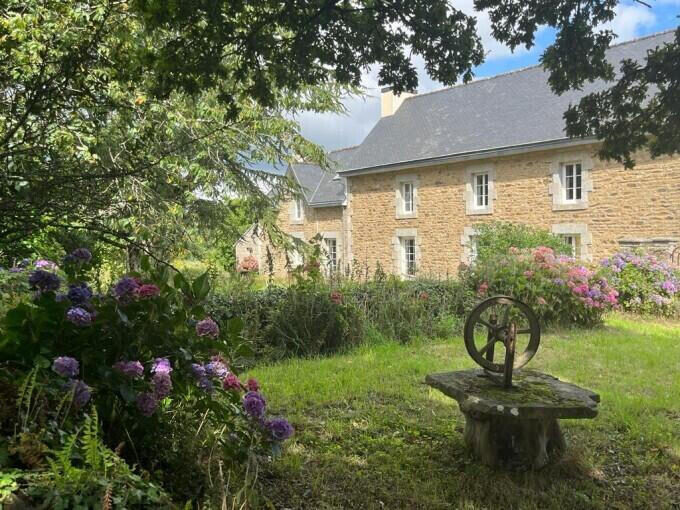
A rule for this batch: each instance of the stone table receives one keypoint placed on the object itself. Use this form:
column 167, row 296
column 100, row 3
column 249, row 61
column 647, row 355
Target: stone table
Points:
column 521, row 422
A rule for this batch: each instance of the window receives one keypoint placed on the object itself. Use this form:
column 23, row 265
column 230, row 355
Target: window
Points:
column 574, row 241
column 298, row 209
column 332, row 253
column 408, row 249
column 481, row 190
column 572, row 182
column 474, row 248
column 407, row 197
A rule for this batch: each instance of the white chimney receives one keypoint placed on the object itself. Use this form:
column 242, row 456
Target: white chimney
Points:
column 389, row 103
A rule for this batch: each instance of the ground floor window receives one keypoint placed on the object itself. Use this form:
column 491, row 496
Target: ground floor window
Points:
column 331, row 253
column 408, row 252
column 574, row 242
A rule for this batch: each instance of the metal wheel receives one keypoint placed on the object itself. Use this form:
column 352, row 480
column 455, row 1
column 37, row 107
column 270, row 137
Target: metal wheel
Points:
column 502, row 317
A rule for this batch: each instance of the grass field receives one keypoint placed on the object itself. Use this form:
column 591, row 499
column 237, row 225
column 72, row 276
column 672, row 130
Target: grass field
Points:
column 370, row 434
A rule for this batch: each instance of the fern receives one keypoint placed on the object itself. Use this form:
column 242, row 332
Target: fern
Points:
column 91, row 444
column 25, row 397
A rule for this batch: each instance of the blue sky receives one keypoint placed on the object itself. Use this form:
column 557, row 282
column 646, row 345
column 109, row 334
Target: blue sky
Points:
column 335, row 131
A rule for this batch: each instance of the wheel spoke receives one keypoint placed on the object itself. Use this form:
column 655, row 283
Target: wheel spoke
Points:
column 489, row 326
column 486, row 347
column 506, row 316
column 523, row 331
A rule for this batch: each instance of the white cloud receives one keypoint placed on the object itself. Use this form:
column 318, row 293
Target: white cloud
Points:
column 631, row 19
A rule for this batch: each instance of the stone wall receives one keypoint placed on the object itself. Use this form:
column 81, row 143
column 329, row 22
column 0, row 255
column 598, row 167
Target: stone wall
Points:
column 643, row 203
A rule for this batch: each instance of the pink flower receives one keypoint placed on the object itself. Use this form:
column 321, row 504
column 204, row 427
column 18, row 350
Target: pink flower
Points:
column 528, row 274
column 541, row 301
column 231, row 382
column 483, row 288
column 253, row 385
column 147, row 290
column 336, row 297
column 423, row 296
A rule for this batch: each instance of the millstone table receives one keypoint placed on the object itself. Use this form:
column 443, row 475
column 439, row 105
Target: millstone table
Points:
column 519, row 423
column 510, row 417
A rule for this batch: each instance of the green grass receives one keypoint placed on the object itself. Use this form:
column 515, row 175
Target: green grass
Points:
column 370, row 434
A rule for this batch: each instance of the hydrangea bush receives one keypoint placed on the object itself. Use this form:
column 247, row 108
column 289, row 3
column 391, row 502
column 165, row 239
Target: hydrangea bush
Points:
column 646, row 284
column 142, row 353
column 558, row 287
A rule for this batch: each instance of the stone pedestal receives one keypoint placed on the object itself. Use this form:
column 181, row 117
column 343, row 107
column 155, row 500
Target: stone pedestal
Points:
column 515, row 424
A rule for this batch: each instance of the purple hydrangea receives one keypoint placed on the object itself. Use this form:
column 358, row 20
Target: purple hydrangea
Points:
column 206, row 384
column 198, row 370
column 81, row 392
column 79, row 293
column 126, row 286
column 161, row 366
column 132, row 369
column 280, row 429
column 44, row 281
column 147, row 404
column 66, row 366
column 45, row 264
column 669, row 286
column 207, row 327
column 254, row 404
column 162, row 384
column 216, row 368
column 81, row 255
column 79, row 316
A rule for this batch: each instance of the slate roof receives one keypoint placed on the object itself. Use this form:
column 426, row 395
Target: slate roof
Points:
column 508, row 110
column 323, row 187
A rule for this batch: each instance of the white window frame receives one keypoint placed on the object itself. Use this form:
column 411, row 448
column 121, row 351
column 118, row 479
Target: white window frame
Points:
column 577, row 231
column 484, row 195
column 575, row 167
column 469, row 246
column 401, row 182
column 407, row 197
column 558, row 183
column 471, row 194
column 331, row 262
column 574, row 241
column 298, row 209
column 401, row 235
column 408, row 267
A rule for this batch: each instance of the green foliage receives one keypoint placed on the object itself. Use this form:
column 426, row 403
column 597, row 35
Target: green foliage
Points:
column 558, row 288
column 496, row 238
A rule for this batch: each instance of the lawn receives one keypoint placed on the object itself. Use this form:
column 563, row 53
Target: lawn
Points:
column 370, row 434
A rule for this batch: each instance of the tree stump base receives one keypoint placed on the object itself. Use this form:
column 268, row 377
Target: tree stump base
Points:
column 518, row 424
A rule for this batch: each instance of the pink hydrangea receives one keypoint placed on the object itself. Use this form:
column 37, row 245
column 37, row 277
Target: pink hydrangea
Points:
column 207, row 327
column 147, row 290
column 231, row 382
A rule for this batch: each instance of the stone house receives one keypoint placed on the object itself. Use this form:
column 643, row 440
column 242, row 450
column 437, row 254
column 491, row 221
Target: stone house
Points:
column 438, row 164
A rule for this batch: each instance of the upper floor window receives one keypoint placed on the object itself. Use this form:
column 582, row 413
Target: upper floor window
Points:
column 481, row 190
column 298, row 209
column 572, row 182
column 408, row 253
column 407, row 197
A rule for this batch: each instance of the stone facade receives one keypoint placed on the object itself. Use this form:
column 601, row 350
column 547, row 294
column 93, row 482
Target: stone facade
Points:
column 619, row 209
column 617, row 204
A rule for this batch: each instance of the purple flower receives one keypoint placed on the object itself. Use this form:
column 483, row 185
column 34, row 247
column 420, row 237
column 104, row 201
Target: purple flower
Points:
column 206, row 384
column 669, row 286
column 79, row 316
column 207, row 327
column 126, row 286
column 161, row 366
column 79, row 293
column 254, row 404
column 148, row 290
column 45, row 264
column 81, row 255
column 558, row 281
column 81, row 392
column 66, row 366
column 216, row 368
column 198, row 370
column 44, row 281
column 280, row 429
column 130, row 369
column 162, row 384
column 147, row 403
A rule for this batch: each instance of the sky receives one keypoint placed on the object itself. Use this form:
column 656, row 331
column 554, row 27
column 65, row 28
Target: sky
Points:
column 335, row 131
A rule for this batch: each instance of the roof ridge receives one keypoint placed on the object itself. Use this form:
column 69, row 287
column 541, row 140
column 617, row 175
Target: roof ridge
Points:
column 349, row 147
column 526, row 68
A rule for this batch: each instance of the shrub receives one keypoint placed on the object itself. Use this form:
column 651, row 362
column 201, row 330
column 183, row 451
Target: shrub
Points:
column 496, row 238
column 141, row 355
column 645, row 284
column 557, row 287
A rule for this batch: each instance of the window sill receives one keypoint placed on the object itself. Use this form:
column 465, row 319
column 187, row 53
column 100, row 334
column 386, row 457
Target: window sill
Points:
column 570, row 206
column 297, row 222
column 479, row 212
column 406, row 216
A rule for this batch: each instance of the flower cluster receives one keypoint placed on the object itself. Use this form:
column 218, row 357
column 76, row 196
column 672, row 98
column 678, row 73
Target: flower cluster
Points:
column 131, row 369
column 79, row 316
column 161, row 382
column 44, row 281
column 78, row 256
column 647, row 284
column 207, row 327
column 249, row 265
column 79, row 293
column 68, row 367
column 45, row 264
column 216, row 368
